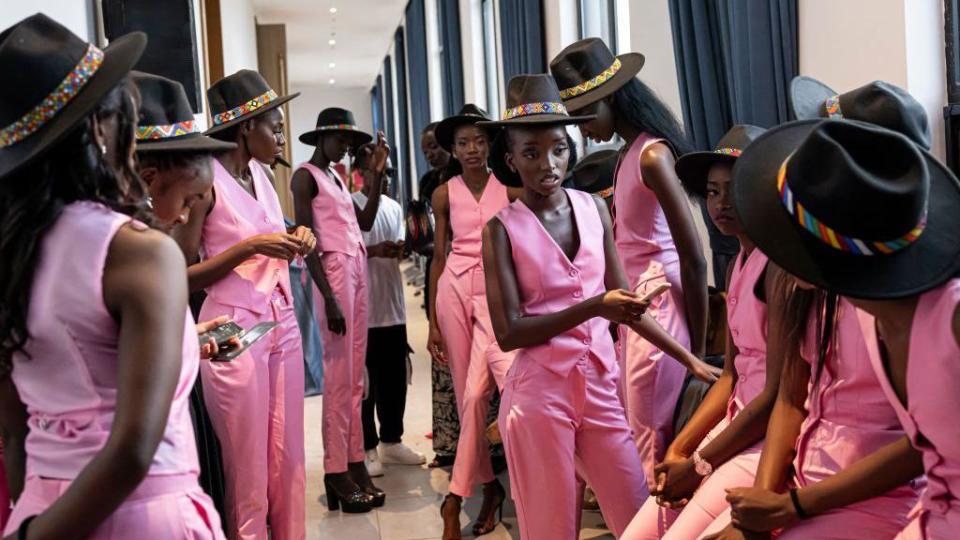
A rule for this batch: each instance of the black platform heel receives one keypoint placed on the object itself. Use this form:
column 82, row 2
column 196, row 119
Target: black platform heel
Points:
column 350, row 502
column 360, row 475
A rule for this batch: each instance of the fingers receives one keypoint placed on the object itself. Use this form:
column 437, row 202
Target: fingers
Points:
column 207, row 326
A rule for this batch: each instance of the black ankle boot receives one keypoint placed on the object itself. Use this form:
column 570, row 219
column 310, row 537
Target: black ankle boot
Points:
column 360, row 475
column 343, row 492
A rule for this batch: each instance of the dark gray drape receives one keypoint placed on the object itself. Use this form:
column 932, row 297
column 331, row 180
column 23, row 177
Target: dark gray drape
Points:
column 376, row 104
column 389, row 121
column 418, row 80
column 521, row 33
column 735, row 60
column 448, row 15
column 401, row 186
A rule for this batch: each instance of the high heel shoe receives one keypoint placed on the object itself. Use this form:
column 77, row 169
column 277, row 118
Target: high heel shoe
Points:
column 351, row 499
column 360, row 475
column 451, row 517
column 493, row 497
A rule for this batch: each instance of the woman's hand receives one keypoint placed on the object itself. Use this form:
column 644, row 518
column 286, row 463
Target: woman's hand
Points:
column 677, row 480
column 209, row 349
column 621, row 306
column 308, row 242
column 758, row 509
column 703, row 371
column 335, row 321
column 435, row 345
column 379, row 155
column 275, row 245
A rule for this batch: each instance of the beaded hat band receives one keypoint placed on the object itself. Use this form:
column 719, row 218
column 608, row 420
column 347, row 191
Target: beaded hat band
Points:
column 531, row 109
column 244, row 109
column 169, row 131
column 590, row 84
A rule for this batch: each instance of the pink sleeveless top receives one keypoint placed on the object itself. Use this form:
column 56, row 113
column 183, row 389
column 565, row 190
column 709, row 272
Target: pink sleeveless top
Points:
column 236, row 216
column 747, row 318
column 640, row 226
column 334, row 215
column 467, row 219
column 933, row 373
column 69, row 380
column 848, row 415
column 549, row 282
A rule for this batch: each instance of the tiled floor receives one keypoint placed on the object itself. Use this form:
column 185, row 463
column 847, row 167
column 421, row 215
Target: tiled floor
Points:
column 414, row 494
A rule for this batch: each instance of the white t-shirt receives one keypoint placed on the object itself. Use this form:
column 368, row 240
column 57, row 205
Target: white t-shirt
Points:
column 384, row 282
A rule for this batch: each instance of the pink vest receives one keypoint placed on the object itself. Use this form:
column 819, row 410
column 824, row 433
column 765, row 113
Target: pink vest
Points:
column 747, row 317
column 467, row 219
column 236, row 216
column 334, row 215
column 640, row 226
column 848, row 415
column 549, row 282
column 933, row 388
column 69, row 380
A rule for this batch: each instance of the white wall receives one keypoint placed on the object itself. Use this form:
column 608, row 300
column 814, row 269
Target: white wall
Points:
column 313, row 99
column 239, row 31
column 926, row 64
column 77, row 15
column 651, row 35
column 471, row 40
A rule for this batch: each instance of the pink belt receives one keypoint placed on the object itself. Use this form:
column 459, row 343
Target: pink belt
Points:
column 150, row 487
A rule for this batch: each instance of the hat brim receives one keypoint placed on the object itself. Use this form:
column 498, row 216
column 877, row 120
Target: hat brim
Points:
column 118, row 59
column 538, row 120
column 448, row 127
column 253, row 114
column 930, row 261
column 807, row 96
column 357, row 137
column 194, row 142
column 693, row 168
column 630, row 65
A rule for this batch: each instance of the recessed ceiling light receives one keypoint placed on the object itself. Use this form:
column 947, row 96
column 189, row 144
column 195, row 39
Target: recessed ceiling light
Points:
column 333, row 65
column 332, row 42
column 333, row 81
column 333, row 10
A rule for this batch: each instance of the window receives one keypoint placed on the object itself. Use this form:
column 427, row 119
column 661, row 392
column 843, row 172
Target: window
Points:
column 598, row 19
column 491, row 55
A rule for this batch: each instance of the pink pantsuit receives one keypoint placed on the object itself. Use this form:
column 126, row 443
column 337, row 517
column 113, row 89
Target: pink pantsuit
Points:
column 69, row 385
column 256, row 401
column 344, row 258
column 651, row 380
column 933, row 370
column 560, row 415
column 747, row 317
column 476, row 361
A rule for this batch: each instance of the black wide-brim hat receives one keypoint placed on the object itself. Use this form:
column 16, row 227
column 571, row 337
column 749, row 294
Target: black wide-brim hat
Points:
column 469, row 114
column 166, row 122
column 336, row 120
column 587, row 71
column 878, row 102
column 50, row 81
column 930, row 260
column 692, row 168
column 240, row 97
column 532, row 101
column 594, row 173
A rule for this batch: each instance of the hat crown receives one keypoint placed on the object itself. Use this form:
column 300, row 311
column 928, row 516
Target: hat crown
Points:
column 738, row 137
column 471, row 109
column 526, row 89
column 235, row 90
column 581, row 61
column 860, row 180
column 36, row 55
column 889, row 106
column 595, row 171
column 163, row 101
column 335, row 116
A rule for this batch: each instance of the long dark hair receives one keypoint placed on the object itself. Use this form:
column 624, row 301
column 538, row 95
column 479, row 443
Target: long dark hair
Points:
column 32, row 199
column 636, row 103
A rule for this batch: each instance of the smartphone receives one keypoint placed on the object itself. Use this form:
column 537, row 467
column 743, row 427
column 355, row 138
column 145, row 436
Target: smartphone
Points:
column 657, row 291
column 247, row 339
column 221, row 334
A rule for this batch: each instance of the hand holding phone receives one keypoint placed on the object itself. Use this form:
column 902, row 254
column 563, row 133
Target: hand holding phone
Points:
column 653, row 293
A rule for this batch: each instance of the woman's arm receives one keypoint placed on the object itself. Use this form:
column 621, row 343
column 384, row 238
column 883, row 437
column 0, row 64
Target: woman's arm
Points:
column 145, row 289
column 13, row 428
column 441, row 238
column 657, row 166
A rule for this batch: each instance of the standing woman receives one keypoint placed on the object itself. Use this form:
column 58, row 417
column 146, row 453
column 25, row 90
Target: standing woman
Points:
column 654, row 228
column 98, row 346
column 323, row 204
column 246, row 249
column 460, row 333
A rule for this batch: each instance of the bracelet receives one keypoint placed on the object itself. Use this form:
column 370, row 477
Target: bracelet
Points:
column 796, row 504
column 24, row 525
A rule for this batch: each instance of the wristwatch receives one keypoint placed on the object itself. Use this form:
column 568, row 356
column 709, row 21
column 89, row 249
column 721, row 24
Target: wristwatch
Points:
column 700, row 465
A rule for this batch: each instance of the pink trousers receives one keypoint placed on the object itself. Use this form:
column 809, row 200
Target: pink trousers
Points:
column 927, row 525
column 556, row 428
column 169, row 507
column 344, row 358
column 256, row 408
column 477, row 366
column 652, row 381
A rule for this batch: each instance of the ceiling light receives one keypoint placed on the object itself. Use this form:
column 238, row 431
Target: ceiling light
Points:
column 333, row 10
column 332, row 42
column 333, row 65
column 333, row 81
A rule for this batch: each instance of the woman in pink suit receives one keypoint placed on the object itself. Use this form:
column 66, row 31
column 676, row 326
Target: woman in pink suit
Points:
column 98, row 347
column 239, row 251
column 324, row 205
column 653, row 225
column 557, row 285
column 862, row 212
column 460, row 330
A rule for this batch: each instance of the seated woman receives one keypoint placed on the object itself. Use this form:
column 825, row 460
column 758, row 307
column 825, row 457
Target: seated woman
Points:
column 557, row 277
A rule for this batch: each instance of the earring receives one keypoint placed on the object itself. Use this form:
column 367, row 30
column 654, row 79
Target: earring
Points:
column 103, row 149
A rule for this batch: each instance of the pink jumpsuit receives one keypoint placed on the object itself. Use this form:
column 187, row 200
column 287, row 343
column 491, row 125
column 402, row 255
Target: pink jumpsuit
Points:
column 344, row 259
column 933, row 372
column 69, row 386
column 560, row 414
column 747, row 317
column 651, row 380
column 476, row 361
column 256, row 401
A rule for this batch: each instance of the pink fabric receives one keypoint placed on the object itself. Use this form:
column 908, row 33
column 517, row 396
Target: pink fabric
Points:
column 651, row 380
column 464, row 322
column 343, row 359
column 236, row 216
column 560, row 424
column 69, row 380
column 932, row 375
column 334, row 215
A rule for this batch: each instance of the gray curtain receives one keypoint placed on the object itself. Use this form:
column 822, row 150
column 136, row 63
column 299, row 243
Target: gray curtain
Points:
column 448, row 13
column 417, row 80
column 521, row 33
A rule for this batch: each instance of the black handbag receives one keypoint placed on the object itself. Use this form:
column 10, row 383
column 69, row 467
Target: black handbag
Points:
column 419, row 221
